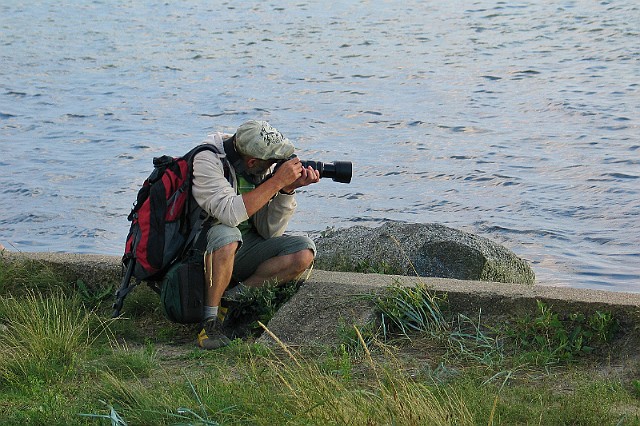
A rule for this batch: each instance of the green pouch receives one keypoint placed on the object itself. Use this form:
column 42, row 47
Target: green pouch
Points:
column 182, row 294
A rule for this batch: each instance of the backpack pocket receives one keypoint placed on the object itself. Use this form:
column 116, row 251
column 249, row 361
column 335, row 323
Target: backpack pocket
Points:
column 182, row 294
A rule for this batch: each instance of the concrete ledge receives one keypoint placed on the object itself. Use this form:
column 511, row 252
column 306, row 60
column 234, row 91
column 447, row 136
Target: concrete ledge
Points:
column 314, row 315
column 96, row 271
column 330, row 299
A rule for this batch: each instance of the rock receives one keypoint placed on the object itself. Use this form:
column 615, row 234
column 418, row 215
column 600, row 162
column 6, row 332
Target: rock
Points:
column 427, row 250
column 321, row 313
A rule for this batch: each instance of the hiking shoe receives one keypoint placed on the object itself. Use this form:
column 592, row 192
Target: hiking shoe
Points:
column 237, row 293
column 211, row 335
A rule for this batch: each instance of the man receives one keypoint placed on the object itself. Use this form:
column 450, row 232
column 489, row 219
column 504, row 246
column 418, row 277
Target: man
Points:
column 250, row 211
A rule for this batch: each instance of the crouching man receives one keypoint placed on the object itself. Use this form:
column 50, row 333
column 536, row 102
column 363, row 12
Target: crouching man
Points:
column 250, row 205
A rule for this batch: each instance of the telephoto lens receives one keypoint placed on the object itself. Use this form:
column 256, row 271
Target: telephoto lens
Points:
column 339, row 171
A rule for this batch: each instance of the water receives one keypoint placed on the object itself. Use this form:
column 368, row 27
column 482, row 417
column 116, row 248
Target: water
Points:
column 517, row 121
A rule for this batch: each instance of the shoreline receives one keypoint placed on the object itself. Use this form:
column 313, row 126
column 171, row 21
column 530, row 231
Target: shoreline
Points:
column 489, row 297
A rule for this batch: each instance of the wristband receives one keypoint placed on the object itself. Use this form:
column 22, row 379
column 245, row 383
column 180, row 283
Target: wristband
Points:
column 287, row 193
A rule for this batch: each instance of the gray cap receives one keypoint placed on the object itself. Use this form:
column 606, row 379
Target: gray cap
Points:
column 258, row 139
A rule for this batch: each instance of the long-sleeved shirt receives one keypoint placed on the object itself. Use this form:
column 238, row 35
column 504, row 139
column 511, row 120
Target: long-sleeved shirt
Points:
column 220, row 199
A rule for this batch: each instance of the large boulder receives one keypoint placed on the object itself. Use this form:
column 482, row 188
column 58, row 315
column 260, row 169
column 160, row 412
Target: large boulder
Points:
column 427, row 250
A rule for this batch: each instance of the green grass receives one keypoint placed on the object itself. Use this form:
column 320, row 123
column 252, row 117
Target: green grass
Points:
column 543, row 339
column 44, row 337
column 63, row 361
column 340, row 262
column 21, row 276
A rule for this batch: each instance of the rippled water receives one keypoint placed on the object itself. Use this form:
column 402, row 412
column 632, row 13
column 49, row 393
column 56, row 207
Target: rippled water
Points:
column 515, row 121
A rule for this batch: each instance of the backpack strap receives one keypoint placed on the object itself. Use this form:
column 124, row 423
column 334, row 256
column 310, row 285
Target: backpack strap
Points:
column 197, row 225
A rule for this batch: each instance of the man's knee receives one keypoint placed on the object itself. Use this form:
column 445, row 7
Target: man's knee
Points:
column 220, row 257
column 222, row 238
column 303, row 259
column 227, row 249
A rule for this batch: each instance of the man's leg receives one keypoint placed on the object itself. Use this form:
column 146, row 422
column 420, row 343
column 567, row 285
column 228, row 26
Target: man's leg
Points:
column 218, row 268
column 222, row 244
column 281, row 269
column 282, row 258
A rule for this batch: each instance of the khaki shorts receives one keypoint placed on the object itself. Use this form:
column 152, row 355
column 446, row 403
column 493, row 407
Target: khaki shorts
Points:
column 254, row 249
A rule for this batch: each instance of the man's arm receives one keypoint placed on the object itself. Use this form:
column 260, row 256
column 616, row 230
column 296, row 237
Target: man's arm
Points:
column 273, row 218
column 257, row 198
column 289, row 176
column 213, row 192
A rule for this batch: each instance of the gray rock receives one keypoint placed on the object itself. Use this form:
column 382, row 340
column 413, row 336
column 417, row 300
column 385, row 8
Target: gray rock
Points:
column 427, row 250
column 321, row 313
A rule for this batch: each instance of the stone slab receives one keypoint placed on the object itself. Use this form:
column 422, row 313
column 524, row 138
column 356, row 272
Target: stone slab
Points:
column 317, row 314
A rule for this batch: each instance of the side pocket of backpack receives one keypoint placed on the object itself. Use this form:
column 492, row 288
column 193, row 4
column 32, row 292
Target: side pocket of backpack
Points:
column 182, row 294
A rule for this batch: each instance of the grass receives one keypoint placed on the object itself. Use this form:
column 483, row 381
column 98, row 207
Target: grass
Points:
column 340, row 262
column 62, row 361
column 52, row 328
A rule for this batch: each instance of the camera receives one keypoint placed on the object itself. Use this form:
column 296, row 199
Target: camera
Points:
column 339, row 171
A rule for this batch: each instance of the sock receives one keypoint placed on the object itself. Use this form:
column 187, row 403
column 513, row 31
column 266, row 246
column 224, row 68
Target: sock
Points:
column 210, row 312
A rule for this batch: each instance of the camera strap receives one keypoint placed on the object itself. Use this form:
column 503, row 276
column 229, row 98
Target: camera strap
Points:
column 233, row 156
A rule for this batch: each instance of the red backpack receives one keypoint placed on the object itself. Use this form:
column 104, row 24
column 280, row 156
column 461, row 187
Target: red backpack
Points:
column 164, row 222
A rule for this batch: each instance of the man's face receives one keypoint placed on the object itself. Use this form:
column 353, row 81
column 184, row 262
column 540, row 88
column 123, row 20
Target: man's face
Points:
column 258, row 167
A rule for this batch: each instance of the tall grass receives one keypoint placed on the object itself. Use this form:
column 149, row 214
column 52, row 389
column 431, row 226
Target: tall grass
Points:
column 53, row 370
column 42, row 336
column 284, row 387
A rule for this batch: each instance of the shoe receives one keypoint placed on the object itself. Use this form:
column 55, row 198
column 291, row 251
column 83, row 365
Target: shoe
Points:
column 235, row 299
column 211, row 335
column 237, row 293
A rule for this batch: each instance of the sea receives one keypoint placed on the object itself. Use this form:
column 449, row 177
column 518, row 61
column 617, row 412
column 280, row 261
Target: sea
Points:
column 514, row 120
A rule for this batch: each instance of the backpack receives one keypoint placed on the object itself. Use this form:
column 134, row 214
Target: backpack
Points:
column 165, row 219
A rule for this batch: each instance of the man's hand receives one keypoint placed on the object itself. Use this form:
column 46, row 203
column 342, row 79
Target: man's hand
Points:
column 288, row 172
column 308, row 176
column 289, row 176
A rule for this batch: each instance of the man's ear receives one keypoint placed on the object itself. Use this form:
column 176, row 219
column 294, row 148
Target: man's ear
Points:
column 251, row 162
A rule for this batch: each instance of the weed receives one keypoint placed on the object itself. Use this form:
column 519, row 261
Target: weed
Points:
column 344, row 366
column 143, row 302
column 341, row 262
column 548, row 338
column 92, row 297
column 381, row 267
column 468, row 339
column 411, row 310
column 262, row 303
column 348, row 335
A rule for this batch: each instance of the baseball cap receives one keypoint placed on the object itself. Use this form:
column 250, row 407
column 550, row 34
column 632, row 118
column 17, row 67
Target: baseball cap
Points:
column 259, row 140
